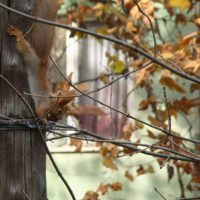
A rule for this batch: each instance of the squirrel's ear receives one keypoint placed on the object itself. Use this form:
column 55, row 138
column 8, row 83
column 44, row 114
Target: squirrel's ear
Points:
column 63, row 101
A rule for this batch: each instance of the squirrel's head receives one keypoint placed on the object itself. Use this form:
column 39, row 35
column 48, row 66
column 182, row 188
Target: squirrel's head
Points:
column 58, row 111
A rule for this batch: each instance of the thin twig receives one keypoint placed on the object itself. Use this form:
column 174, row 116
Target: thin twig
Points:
column 169, row 61
column 159, row 193
column 169, row 125
column 111, row 114
column 25, row 194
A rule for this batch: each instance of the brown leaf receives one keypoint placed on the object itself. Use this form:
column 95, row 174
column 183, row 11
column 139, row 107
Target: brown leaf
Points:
column 83, row 86
column 140, row 171
column 77, row 143
column 90, row 195
column 170, row 170
column 170, row 83
column 128, row 151
column 150, row 169
column 103, row 188
column 156, row 122
column 104, row 78
column 129, row 176
column 127, row 131
column 103, row 151
column 114, row 152
column 152, row 99
column 108, row 162
column 144, row 105
column 151, row 135
column 116, row 186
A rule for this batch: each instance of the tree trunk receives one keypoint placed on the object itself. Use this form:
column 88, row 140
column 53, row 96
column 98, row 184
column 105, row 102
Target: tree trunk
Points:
column 22, row 154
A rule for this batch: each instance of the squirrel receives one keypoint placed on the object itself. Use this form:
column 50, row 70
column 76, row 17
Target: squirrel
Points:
column 36, row 59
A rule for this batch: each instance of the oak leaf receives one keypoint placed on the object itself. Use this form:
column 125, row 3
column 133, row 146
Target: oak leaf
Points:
column 156, row 122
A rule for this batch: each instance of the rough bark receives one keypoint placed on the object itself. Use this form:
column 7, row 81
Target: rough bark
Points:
column 22, row 154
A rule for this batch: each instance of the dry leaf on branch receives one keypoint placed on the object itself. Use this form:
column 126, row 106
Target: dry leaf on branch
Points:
column 77, row 143
column 90, row 195
column 116, row 186
column 103, row 188
column 129, row 176
column 108, row 162
column 104, row 78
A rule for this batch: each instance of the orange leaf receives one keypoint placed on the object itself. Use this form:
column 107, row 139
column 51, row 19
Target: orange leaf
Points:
column 116, row 186
column 144, row 105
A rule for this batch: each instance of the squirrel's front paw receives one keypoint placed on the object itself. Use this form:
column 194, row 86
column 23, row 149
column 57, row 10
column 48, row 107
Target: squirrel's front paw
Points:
column 14, row 32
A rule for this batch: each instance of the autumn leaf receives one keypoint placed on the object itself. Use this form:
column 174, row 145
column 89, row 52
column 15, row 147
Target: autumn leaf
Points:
column 150, row 169
column 114, row 152
column 103, row 151
column 140, row 171
column 180, row 3
column 185, row 104
column 104, row 78
column 108, row 162
column 116, row 186
column 103, row 188
column 129, row 176
column 156, row 122
column 170, row 83
column 151, row 135
column 127, row 131
column 144, row 104
column 77, row 143
column 119, row 66
column 90, row 195
column 170, row 171
column 83, row 86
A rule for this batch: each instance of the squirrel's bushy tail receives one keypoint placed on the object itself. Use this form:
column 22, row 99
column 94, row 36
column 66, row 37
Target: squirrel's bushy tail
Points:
column 42, row 35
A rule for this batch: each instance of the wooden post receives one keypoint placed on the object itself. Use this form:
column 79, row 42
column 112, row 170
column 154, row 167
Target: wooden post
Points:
column 22, row 154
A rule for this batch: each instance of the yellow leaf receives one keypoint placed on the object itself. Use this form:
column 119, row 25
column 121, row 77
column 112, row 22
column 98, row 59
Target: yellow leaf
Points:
column 111, row 58
column 180, row 3
column 119, row 66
